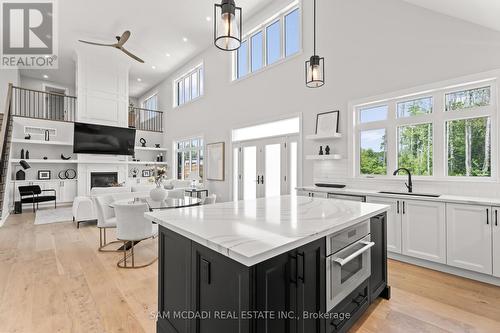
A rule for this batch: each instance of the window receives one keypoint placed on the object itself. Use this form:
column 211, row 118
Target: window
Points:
column 190, row 161
column 275, row 128
column 276, row 39
column 443, row 133
column 189, row 86
column 151, row 103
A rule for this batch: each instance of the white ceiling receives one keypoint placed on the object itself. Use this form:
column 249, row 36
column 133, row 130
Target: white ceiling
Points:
column 481, row 12
column 158, row 28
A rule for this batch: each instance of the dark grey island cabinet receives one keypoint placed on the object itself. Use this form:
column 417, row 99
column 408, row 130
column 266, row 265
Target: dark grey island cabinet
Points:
column 203, row 291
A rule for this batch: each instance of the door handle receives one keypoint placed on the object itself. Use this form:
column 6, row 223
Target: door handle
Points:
column 397, row 209
column 496, row 218
column 262, row 179
column 301, row 276
column 404, row 207
column 344, row 261
column 487, row 216
column 258, row 179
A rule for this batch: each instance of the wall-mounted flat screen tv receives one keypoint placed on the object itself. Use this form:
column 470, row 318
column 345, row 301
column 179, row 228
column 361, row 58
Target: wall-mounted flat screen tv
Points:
column 99, row 139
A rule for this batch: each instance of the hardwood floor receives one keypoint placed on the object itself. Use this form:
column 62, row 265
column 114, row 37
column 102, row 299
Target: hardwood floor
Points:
column 53, row 279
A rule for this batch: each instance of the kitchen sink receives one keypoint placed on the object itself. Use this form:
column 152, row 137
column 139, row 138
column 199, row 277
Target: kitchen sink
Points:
column 413, row 194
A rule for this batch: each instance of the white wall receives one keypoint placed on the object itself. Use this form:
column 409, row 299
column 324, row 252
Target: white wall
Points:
column 38, row 84
column 370, row 48
column 7, row 76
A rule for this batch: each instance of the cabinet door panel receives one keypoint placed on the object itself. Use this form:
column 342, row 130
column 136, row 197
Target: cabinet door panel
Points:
column 393, row 222
column 496, row 241
column 469, row 237
column 424, row 230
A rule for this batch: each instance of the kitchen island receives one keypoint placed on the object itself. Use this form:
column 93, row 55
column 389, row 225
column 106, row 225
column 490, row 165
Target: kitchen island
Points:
column 268, row 265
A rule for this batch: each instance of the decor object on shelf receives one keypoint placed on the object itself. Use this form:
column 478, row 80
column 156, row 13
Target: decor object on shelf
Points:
column 47, row 135
column 315, row 66
column 143, row 142
column 65, row 158
column 134, row 172
column 327, row 123
column 159, row 193
column 44, row 174
column 146, row 173
column 45, row 158
column 22, row 154
column 27, row 137
column 161, row 157
column 62, row 174
column 70, row 174
column 227, row 26
column 321, row 150
column 157, row 145
column 327, row 150
column 158, row 158
column 216, row 161
column 21, row 175
column 27, row 154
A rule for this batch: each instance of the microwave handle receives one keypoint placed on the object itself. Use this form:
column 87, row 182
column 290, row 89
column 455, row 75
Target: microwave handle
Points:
column 344, row 261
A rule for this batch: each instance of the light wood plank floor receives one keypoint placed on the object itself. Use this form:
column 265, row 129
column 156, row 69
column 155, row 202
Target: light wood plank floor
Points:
column 53, row 279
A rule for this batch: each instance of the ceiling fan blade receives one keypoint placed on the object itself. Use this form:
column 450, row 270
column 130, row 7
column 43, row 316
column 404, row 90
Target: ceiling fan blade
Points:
column 131, row 55
column 124, row 38
column 98, row 44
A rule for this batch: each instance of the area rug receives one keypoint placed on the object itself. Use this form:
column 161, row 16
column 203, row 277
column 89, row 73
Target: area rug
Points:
column 51, row 215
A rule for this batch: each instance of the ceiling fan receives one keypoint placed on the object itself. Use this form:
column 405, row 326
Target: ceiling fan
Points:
column 118, row 45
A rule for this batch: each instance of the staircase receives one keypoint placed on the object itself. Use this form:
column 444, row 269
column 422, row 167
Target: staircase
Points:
column 5, row 142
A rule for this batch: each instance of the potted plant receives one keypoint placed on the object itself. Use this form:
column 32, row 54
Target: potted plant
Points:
column 159, row 175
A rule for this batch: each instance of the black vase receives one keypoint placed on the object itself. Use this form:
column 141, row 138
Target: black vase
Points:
column 27, row 154
column 321, row 150
column 22, row 154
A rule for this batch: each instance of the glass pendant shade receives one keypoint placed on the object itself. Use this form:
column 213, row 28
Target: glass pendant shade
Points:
column 227, row 25
column 315, row 72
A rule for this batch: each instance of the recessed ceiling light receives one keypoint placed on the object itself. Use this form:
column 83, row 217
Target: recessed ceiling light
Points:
column 45, row 76
column 209, row 18
column 168, row 54
column 184, row 39
column 139, row 79
column 153, row 67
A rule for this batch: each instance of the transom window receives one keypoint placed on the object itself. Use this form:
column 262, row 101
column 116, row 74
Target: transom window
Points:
column 189, row 156
column 276, row 39
column 189, row 86
column 443, row 133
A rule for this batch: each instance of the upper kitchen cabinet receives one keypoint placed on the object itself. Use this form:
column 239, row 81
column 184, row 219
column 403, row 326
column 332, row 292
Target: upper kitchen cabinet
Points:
column 393, row 222
column 424, row 230
column 469, row 240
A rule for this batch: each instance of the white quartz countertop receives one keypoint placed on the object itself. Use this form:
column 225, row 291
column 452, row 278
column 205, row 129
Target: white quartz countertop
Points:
column 375, row 193
column 252, row 231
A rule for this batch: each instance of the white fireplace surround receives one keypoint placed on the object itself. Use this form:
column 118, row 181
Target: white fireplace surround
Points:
column 85, row 170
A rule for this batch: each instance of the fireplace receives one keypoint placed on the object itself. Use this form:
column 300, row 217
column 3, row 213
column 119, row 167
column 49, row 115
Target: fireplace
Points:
column 103, row 179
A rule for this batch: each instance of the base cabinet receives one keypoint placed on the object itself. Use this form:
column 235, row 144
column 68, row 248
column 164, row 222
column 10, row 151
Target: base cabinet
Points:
column 469, row 239
column 393, row 222
column 496, row 241
column 424, row 230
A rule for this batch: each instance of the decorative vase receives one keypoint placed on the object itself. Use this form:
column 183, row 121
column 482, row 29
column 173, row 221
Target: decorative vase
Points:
column 158, row 194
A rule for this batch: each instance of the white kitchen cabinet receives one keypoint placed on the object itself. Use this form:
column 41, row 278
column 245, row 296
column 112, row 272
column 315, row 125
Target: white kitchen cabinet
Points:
column 469, row 239
column 424, row 230
column 68, row 190
column 496, row 240
column 393, row 222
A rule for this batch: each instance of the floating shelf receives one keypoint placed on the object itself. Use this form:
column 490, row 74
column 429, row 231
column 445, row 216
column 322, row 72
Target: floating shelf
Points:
column 317, row 137
column 150, row 148
column 146, row 162
column 39, row 161
column 44, row 180
column 324, row 157
column 42, row 142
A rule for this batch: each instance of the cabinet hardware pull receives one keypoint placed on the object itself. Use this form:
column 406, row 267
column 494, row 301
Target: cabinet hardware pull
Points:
column 487, row 216
column 404, row 207
column 293, row 269
column 206, row 270
column 258, row 179
column 496, row 218
column 397, row 210
column 302, row 275
column 262, row 179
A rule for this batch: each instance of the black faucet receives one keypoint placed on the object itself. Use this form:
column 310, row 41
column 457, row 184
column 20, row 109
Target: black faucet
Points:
column 409, row 185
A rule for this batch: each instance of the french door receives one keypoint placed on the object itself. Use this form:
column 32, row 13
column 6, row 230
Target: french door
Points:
column 265, row 168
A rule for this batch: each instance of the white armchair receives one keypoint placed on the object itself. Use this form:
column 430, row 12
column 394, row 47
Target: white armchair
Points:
column 133, row 227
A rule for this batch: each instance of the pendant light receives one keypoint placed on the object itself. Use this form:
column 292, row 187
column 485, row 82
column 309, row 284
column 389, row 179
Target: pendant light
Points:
column 227, row 26
column 315, row 66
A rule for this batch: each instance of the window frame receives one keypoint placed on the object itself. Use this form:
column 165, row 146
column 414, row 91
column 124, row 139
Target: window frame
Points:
column 437, row 118
column 154, row 95
column 181, row 81
column 279, row 16
column 200, row 152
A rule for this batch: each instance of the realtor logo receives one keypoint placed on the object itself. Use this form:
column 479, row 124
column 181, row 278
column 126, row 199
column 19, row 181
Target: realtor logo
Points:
column 28, row 34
